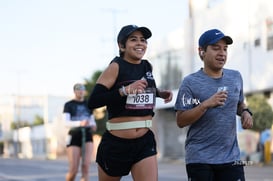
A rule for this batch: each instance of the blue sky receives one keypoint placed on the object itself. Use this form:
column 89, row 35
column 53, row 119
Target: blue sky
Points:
column 48, row 45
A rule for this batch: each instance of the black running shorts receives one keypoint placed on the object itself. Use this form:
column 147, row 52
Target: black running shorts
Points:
column 116, row 155
column 74, row 137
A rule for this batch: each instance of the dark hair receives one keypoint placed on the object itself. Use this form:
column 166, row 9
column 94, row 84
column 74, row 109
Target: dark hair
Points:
column 123, row 45
column 203, row 49
column 121, row 54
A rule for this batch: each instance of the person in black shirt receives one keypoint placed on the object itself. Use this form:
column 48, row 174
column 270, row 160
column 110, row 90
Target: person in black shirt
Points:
column 128, row 89
column 80, row 121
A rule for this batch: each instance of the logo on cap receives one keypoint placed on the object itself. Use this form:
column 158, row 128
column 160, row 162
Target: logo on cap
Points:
column 212, row 36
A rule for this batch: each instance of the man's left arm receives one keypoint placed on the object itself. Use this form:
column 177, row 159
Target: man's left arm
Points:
column 246, row 116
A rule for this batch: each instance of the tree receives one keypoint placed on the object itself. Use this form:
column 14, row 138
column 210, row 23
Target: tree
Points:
column 100, row 113
column 38, row 120
column 19, row 124
column 91, row 82
column 262, row 112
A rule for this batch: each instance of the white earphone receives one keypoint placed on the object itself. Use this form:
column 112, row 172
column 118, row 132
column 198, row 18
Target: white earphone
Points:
column 202, row 53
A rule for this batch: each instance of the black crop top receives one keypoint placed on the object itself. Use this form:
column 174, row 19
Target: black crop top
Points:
column 127, row 74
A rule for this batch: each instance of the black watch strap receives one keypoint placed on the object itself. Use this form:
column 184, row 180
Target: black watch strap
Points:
column 246, row 109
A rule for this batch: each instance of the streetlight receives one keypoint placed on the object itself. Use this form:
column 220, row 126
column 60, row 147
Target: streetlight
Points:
column 114, row 13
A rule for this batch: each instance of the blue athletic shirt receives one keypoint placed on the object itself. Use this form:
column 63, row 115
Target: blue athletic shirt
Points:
column 212, row 139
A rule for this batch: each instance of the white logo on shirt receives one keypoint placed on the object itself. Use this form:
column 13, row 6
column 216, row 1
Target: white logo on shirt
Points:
column 190, row 101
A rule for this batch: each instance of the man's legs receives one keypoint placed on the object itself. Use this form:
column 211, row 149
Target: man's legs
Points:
column 199, row 172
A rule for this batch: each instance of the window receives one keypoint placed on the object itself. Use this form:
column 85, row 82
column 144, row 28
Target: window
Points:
column 257, row 42
column 269, row 29
column 270, row 43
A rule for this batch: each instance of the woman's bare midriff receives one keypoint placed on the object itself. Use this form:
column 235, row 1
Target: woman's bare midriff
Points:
column 130, row 133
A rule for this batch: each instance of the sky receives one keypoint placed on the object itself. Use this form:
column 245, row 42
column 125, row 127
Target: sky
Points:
column 46, row 46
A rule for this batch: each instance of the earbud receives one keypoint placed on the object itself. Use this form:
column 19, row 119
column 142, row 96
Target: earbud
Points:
column 202, row 53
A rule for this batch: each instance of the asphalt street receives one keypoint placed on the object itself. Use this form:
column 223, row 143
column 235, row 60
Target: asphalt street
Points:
column 12, row 169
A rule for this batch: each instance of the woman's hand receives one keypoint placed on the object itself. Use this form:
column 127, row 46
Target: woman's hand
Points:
column 166, row 95
column 137, row 87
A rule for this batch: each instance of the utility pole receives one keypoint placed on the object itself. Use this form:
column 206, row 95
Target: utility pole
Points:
column 114, row 13
column 191, row 34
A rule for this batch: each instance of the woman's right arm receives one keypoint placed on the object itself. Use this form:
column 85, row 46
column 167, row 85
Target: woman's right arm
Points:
column 101, row 94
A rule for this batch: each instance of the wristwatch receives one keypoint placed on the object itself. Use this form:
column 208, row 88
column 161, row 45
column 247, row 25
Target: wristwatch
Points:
column 246, row 109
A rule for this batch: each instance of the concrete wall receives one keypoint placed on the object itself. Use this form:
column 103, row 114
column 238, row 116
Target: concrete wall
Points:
column 170, row 138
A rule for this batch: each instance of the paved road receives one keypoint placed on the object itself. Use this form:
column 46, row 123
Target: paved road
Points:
column 54, row 170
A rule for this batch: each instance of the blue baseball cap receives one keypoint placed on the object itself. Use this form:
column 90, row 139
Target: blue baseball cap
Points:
column 212, row 36
column 129, row 29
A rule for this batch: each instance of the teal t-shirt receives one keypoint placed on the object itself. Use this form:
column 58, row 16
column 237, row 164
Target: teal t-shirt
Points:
column 212, row 139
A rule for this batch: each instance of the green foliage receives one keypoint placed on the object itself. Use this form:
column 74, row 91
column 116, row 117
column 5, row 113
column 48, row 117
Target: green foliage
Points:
column 1, row 147
column 38, row 120
column 262, row 112
column 101, row 123
column 100, row 120
column 20, row 124
column 91, row 82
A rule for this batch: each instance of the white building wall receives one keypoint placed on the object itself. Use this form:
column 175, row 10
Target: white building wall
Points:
column 25, row 108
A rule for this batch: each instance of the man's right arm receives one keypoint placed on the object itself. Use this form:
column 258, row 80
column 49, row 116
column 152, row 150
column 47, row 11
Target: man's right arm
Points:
column 185, row 118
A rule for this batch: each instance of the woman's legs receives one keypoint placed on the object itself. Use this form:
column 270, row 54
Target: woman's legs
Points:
column 145, row 170
column 117, row 156
column 87, row 161
column 73, row 155
column 104, row 177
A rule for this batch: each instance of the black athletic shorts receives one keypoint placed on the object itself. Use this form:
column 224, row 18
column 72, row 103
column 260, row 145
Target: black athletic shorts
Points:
column 215, row 172
column 116, row 155
column 74, row 137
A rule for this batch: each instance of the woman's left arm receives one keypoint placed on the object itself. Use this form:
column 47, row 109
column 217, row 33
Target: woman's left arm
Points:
column 164, row 94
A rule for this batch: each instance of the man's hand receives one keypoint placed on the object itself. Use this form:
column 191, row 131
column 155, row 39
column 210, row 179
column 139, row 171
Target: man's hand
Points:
column 246, row 120
column 84, row 123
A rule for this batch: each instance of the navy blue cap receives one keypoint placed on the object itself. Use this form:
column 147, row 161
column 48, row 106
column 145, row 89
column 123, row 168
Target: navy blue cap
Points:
column 212, row 36
column 129, row 29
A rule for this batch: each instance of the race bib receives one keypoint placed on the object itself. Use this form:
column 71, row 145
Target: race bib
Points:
column 141, row 101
